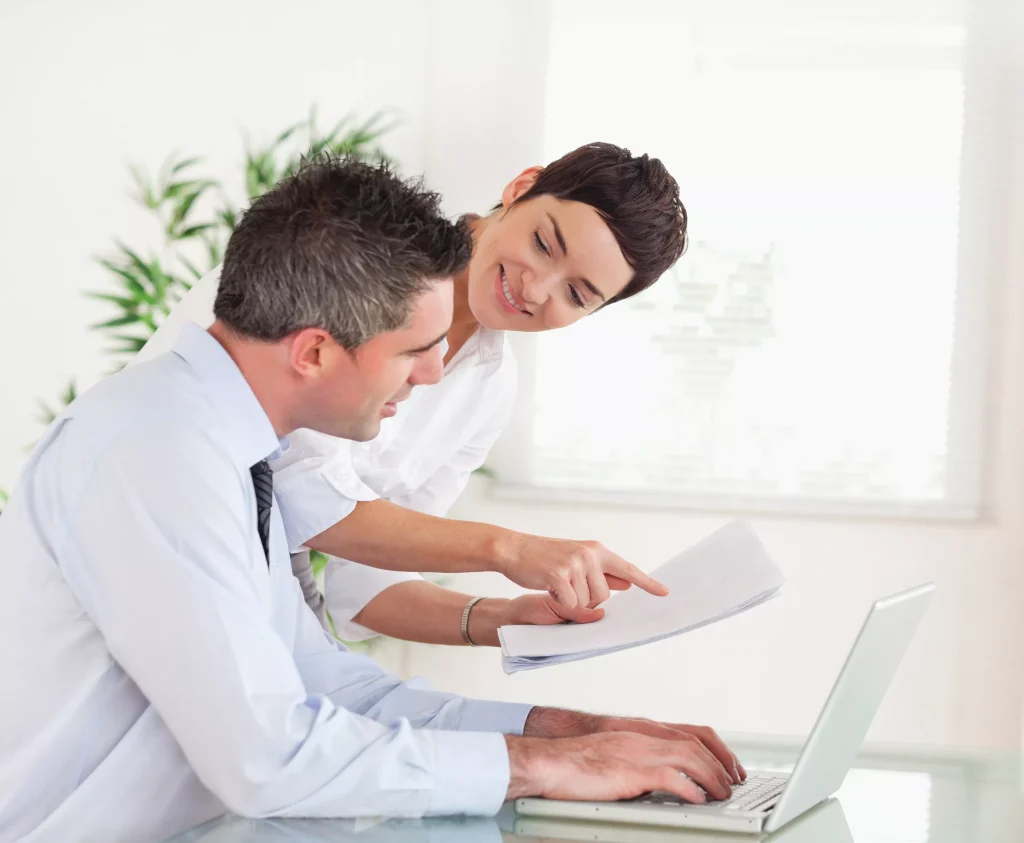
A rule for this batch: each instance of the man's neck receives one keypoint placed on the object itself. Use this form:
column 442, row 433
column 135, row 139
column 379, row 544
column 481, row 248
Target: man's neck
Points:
column 258, row 362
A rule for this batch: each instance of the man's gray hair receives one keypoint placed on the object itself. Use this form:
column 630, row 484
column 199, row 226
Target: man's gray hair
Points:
column 342, row 245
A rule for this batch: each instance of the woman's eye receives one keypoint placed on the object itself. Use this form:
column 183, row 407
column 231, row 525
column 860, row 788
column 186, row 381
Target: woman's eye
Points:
column 576, row 300
column 539, row 242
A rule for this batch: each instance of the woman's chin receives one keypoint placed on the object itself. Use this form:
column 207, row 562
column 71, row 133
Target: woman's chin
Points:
column 490, row 317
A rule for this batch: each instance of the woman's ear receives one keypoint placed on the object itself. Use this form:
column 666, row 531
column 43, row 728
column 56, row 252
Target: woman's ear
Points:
column 519, row 185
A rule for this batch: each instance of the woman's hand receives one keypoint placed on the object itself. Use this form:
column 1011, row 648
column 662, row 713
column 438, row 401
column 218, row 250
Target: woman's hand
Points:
column 576, row 574
column 544, row 610
column 491, row 613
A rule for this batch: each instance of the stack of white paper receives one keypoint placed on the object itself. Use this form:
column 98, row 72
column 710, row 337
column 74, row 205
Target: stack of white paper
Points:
column 726, row 573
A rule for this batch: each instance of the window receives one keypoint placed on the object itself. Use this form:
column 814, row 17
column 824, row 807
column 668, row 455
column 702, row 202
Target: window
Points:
column 804, row 352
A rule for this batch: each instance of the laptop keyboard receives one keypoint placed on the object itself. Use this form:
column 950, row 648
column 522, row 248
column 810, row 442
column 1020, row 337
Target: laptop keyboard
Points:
column 755, row 793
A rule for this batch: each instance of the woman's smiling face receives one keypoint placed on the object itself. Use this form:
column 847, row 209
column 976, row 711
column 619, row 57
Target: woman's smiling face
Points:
column 543, row 263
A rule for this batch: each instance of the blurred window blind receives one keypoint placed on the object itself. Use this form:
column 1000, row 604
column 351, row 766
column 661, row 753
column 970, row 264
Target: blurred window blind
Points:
column 802, row 353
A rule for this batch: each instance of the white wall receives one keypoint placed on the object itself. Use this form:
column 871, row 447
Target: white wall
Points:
column 89, row 88
column 962, row 683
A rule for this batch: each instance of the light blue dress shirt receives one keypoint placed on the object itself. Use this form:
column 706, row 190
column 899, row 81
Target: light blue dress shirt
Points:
column 156, row 674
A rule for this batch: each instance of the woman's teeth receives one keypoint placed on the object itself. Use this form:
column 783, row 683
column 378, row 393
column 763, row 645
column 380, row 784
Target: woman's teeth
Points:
column 508, row 293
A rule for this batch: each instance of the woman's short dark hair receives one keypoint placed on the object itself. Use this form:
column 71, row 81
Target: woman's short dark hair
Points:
column 637, row 197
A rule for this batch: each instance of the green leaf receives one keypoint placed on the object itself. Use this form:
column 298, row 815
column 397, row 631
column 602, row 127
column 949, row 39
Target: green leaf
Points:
column 287, row 133
column 183, row 188
column 229, row 218
column 138, row 262
column 130, row 282
column 184, row 207
column 191, row 267
column 145, row 195
column 47, row 414
column 252, row 177
column 213, row 250
column 130, row 342
column 119, row 322
column 193, row 231
column 317, row 561
column 185, row 163
column 120, row 301
column 44, row 413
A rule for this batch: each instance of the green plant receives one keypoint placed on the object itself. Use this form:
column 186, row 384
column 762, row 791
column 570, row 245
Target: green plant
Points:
column 47, row 414
column 196, row 215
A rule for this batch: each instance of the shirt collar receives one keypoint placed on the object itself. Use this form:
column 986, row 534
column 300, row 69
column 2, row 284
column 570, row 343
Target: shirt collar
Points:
column 252, row 436
column 485, row 348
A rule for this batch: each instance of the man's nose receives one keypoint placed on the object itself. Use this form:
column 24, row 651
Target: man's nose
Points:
column 429, row 367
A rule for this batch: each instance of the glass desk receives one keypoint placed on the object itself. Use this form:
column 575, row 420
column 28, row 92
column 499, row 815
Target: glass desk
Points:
column 889, row 797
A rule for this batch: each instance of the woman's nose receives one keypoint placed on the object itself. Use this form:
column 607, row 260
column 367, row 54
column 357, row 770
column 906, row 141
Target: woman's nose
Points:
column 536, row 287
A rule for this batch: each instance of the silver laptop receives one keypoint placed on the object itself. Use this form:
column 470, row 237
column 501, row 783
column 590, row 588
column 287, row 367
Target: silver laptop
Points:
column 767, row 801
column 824, row 823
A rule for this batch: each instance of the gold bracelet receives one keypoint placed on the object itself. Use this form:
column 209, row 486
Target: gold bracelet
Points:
column 465, row 621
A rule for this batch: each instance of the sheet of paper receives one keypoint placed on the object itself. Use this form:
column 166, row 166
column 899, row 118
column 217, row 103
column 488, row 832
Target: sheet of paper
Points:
column 726, row 573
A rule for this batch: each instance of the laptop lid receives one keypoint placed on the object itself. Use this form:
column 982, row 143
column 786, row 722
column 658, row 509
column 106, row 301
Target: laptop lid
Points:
column 833, row 744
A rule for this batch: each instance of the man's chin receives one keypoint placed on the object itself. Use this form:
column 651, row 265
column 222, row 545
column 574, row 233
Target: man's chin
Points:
column 355, row 432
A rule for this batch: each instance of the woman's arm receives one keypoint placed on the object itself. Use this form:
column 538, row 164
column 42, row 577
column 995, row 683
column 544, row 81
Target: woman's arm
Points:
column 428, row 613
column 383, row 535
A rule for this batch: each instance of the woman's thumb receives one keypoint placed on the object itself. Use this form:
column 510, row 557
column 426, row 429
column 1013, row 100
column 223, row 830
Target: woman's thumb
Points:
column 581, row 614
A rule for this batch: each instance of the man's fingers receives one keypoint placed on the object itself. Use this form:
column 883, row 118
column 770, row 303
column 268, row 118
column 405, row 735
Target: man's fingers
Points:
column 705, row 770
column 718, row 748
column 671, row 780
column 619, row 567
column 693, row 758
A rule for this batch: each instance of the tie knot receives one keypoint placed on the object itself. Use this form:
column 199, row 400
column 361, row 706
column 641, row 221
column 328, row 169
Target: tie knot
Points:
column 261, row 468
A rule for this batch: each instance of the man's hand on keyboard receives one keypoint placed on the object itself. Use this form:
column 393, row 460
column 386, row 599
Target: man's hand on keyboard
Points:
column 614, row 765
column 678, row 731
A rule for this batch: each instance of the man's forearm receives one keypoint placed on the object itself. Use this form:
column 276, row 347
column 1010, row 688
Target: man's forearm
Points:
column 422, row 611
column 383, row 535
column 560, row 723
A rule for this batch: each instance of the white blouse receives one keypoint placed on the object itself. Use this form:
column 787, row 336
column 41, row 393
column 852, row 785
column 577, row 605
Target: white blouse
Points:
column 421, row 459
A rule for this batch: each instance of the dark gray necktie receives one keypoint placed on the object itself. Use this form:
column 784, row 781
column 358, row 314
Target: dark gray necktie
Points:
column 263, row 483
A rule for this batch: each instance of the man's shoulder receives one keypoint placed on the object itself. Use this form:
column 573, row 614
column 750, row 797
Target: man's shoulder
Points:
column 159, row 394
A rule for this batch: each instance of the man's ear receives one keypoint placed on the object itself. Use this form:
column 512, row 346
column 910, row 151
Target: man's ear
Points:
column 311, row 351
column 519, row 185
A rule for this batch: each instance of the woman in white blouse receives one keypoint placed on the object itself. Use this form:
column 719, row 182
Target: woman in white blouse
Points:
column 595, row 227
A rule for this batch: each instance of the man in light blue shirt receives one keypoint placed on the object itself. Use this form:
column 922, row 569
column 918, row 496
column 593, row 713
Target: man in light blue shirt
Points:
column 160, row 666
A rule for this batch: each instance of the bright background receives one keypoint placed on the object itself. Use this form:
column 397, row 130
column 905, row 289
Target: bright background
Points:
column 838, row 358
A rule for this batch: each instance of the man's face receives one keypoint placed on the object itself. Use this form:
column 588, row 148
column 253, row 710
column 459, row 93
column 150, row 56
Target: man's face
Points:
column 357, row 390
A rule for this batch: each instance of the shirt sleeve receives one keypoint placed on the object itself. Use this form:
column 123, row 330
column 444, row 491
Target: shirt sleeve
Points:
column 358, row 684
column 349, row 587
column 184, row 605
column 316, row 485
